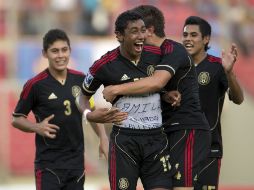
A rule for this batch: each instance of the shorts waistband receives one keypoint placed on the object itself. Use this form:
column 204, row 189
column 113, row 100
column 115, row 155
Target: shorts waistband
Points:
column 138, row 131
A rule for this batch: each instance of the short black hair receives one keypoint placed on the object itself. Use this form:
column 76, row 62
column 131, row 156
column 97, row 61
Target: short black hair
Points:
column 204, row 26
column 152, row 16
column 124, row 18
column 53, row 35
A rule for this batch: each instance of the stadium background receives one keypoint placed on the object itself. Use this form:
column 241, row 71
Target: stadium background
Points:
column 90, row 25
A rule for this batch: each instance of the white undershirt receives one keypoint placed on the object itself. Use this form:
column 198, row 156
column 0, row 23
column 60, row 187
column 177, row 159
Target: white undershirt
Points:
column 144, row 111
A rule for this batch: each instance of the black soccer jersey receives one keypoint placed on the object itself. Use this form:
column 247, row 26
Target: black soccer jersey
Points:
column 144, row 112
column 213, row 84
column 176, row 60
column 44, row 95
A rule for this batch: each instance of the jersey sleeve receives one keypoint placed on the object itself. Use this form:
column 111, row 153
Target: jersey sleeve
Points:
column 172, row 61
column 90, row 84
column 26, row 101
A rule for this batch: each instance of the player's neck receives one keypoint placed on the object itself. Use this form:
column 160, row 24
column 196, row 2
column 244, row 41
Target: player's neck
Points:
column 59, row 75
column 198, row 58
column 133, row 59
column 156, row 41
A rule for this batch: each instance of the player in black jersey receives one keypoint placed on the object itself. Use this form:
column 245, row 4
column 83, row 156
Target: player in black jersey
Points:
column 185, row 125
column 215, row 78
column 138, row 145
column 59, row 160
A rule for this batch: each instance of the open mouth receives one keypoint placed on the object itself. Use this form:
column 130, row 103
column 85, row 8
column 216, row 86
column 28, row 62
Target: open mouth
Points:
column 138, row 46
column 61, row 63
column 188, row 46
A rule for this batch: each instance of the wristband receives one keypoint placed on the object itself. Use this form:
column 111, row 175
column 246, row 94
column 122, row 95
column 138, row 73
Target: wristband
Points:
column 85, row 114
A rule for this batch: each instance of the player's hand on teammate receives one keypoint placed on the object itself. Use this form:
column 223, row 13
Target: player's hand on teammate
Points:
column 46, row 129
column 108, row 93
column 105, row 115
column 173, row 97
column 229, row 58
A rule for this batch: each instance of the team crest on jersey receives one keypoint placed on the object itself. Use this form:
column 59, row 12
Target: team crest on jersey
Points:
column 88, row 80
column 123, row 183
column 75, row 90
column 150, row 70
column 203, row 78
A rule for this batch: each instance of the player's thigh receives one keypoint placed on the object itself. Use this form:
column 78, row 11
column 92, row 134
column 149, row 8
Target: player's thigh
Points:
column 123, row 166
column 74, row 180
column 188, row 148
column 208, row 177
column 156, row 168
column 46, row 180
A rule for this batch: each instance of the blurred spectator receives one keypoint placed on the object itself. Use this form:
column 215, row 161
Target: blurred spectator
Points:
column 66, row 14
column 94, row 18
column 237, row 16
column 31, row 16
column 3, row 66
column 2, row 23
column 209, row 10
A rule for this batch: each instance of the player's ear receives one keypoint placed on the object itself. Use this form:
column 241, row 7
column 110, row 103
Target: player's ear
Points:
column 119, row 36
column 149, row 31
column 206, row 39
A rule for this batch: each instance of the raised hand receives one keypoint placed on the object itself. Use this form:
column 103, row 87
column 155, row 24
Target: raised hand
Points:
column 229, row 58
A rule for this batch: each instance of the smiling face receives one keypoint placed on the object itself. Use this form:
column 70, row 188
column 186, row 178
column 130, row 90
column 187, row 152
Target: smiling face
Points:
column 132, row 39
column 58, row 55
column 193, row 40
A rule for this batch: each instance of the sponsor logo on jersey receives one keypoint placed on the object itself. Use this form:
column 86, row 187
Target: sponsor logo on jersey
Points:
column 150, row 70
column 125, row 77
column 203, row 78
column 88, row 80
column 52, row 96
column 123, row 183
column 75, row 91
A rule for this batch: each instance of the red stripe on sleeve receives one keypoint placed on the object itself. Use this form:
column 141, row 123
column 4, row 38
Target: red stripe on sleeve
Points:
column 31, row 82
column 105, row 59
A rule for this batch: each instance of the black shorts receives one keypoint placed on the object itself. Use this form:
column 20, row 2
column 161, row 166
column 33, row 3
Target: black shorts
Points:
column 188, row 148
column 208, row 177
column 56, row 179
column 138, row 154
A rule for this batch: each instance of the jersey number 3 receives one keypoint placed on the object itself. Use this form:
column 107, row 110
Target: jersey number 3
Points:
column 67, row 105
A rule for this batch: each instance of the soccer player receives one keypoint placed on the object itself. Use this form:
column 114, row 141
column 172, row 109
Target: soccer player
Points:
column 186, row 125
column 215, row 78
column 59, row 160
column 138, row 146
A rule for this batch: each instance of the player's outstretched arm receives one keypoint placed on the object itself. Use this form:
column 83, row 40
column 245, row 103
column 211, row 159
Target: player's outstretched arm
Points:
column 100, row 115
column 228, row 61
column 105, row 115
